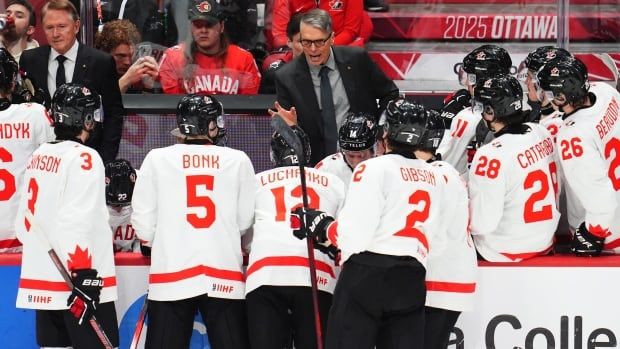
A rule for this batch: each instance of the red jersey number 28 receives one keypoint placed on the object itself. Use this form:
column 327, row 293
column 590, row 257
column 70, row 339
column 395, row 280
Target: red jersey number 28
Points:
column 200, row 201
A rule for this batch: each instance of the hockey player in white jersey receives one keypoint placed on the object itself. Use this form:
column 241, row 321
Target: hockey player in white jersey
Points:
column 63, row 203
column 589, row 147
column 192, row 201
column 481, row 63
column 451, row 274
column 278, row 278
column 23, row 127
column 512, row 179
column 120, row 179
column 357, row 137
column 392, row 216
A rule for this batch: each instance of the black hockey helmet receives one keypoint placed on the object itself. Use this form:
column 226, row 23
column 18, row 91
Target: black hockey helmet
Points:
column 410, row 123
column 8, row 69
column 195, row 112
column 503, row 95
column 564, row 76
column 483, row 62
column 120, row 178
column 539, row 57
column 282, row 154
column 75, row 105
column 358, row 132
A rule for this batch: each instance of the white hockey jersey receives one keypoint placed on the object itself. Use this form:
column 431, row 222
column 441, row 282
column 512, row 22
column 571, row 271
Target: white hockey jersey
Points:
column 277, row 257
column 336, row 165
column 453, row 146
column 125, row 239
column 23, row 128
column 451, row 274
column 394, row 207
column 589, row 146
column 192, row 202
column 512, row 190
column 64, row 190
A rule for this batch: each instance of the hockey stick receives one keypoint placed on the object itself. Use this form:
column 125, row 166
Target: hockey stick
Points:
column 140, row 324
column 280, row 126
column 94, row 323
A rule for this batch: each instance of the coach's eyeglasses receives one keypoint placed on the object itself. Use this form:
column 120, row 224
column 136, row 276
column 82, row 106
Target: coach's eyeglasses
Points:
column 317, row 43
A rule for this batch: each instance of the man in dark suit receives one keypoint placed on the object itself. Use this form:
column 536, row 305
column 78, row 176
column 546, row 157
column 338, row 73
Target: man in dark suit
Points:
column 344, row 77
column 66, row 60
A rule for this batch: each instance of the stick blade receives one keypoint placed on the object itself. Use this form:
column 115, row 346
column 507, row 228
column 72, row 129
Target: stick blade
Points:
column 279, row 125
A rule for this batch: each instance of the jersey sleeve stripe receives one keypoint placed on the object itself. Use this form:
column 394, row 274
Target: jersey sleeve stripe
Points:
column 455, row 287
column 289, row 261
column 57, row 285
column 9, row 243
column 196, row 271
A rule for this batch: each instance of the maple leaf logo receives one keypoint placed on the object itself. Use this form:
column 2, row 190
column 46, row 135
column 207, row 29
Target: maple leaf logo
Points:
column 598, row 230
column 79, row 259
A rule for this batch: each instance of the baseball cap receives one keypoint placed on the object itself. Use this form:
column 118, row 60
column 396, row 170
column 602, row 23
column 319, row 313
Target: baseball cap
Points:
column 208, row 10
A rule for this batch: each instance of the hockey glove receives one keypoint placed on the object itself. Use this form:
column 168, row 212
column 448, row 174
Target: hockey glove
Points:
column 586, row 244
column 330, row 250
column 85, row 294
column 316, row 223
column 460, row 100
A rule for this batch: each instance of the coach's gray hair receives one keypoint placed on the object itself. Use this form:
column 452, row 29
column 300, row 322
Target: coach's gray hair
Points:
column 319, row 19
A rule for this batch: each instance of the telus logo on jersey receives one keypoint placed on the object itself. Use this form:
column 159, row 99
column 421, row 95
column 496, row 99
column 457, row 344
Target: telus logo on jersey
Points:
column 18, row 130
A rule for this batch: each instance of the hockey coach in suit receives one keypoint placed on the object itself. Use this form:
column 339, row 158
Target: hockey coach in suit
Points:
column 326, row 82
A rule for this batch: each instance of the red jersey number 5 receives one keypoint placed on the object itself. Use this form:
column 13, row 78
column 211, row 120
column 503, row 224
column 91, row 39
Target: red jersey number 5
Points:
column 201, row 201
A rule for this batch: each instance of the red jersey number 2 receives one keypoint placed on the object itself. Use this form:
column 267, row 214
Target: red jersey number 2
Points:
column 200, row 201
column 419, row 197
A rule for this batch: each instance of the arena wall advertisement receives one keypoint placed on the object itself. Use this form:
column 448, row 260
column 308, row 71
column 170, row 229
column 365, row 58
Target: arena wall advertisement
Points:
column 572, row 306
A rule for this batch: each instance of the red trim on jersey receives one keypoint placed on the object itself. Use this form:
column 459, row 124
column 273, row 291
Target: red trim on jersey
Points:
column 526, row 255
column 57, row 285
column 10, row 243
column 195, row 271
column 612, row 244
column 289, row 261
column 456, row 287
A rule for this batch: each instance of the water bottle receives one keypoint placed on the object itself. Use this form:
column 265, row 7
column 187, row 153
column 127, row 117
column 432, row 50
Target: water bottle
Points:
column 5, row 22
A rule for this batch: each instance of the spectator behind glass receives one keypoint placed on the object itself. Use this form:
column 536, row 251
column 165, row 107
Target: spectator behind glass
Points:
column 277, row 59
column 119, row 38
column 17, row 35
column 207, row 63
column 79, row 64
column 351, row 25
